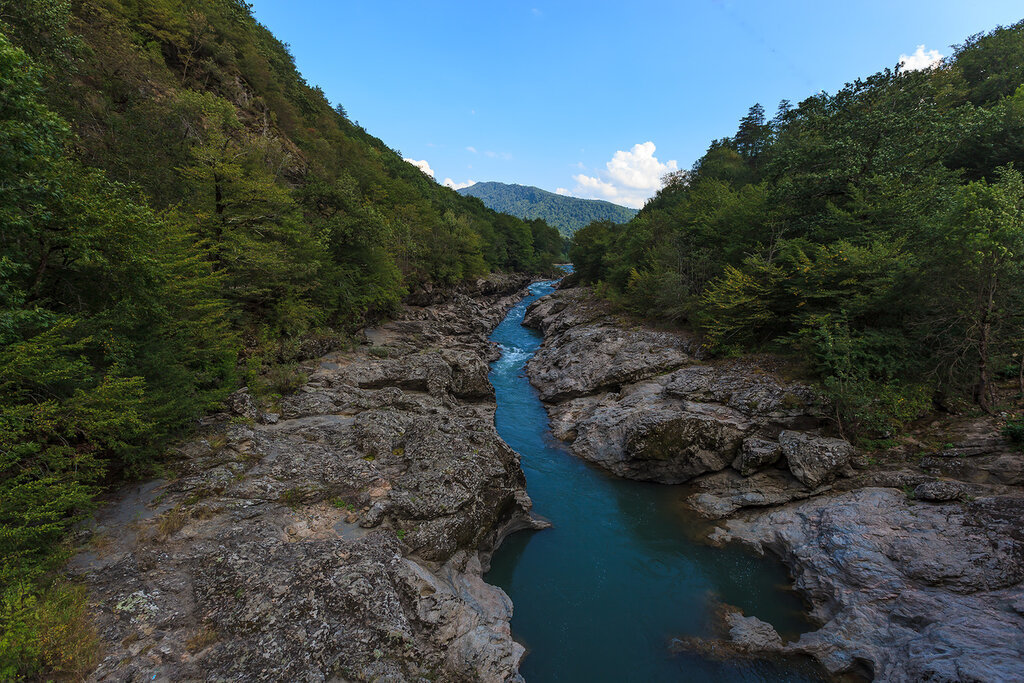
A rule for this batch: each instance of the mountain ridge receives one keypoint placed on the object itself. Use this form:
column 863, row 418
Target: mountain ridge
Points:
column 528, row 202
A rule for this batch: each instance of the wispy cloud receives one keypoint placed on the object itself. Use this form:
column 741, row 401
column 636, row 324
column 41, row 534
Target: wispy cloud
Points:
column 448, row 182
column 632, row 177
column 472, row 149
column 921, row 59
column 422, row 165
column 504, row 156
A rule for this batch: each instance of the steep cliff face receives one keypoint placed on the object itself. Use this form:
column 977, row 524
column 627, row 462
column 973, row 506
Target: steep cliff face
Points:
column 913, row 566
column 343, row 536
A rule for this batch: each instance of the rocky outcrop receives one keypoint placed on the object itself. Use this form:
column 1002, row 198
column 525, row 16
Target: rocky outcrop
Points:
column 813, row 459
column 592, row 352
column 342, row 536
column 913, row 566
column 904, row 591
column 641, row 403
column 755, row 454
column 723, row 493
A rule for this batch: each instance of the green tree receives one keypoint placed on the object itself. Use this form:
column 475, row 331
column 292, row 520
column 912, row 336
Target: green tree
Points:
column 979, row 263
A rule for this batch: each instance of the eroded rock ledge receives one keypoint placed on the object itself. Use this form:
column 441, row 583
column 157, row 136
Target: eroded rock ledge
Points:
column 913, row 567
column 342, row 538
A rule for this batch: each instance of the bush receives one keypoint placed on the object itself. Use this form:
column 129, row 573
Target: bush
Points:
column 1014, row 430
column 46, row 634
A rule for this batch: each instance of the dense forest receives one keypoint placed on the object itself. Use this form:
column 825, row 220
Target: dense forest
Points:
column 876, row 233
column 568, row 214
column 180, row 214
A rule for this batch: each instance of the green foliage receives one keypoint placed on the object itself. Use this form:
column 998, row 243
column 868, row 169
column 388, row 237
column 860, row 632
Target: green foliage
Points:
column 45, row 632
column 175, row 198
column 876, row 231
column 567, row 214
column 1014, row 430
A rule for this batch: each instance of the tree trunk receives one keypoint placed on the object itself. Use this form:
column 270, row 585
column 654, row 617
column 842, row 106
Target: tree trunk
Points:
column 1020, row 374
column 984, row 381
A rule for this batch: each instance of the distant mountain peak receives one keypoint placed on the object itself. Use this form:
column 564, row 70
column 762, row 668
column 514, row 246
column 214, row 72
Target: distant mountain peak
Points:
column 566, row 213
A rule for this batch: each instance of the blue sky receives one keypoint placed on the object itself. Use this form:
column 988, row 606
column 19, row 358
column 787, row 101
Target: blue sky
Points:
column 596, row 99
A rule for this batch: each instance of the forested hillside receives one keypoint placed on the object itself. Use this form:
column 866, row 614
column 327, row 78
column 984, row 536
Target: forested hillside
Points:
column 876, row 232
column 568, row 214
column 180, row 214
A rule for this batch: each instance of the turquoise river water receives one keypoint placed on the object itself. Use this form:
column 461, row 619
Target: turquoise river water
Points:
column 599, row 596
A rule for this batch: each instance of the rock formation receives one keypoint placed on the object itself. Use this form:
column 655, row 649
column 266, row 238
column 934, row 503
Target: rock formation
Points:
column 342, row 536
column 913, row 568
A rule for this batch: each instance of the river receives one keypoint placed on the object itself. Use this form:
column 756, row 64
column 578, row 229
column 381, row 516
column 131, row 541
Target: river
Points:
column 599, row 596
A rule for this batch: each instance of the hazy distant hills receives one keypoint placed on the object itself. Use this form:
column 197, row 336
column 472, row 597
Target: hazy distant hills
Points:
column 568, row 214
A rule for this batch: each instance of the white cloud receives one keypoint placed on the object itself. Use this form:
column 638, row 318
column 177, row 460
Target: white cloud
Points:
column 498, row 155
column 920, row 59
column 422, row 165
column 448, row 182
column 562, row 191
column 472, row 149
column 631, row 179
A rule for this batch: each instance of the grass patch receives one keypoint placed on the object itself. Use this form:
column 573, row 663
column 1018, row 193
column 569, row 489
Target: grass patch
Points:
column 379, row 351
column 342, row 505
column 293, row 498
column 284, row 379
column 206, row 636
column 171, row 522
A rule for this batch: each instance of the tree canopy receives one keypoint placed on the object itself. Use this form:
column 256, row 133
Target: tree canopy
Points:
column 875, row 232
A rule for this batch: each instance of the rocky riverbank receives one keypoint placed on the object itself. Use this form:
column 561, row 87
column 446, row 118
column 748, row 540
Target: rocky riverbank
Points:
column 912, row 564
column 342, row 537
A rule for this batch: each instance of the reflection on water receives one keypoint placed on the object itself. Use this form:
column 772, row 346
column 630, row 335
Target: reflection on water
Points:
column 599, row 596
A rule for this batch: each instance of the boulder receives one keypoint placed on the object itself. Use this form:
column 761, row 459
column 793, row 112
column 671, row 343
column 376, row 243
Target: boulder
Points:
column 939, row 491
column 755, row 454
column 644, row 437
column 752, row 634
column 813, row 459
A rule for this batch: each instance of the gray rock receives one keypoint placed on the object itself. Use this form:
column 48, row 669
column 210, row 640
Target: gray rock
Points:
column 723, row 493
column 812, row 459
column 755, row 454
column 939, row 491
column 641, row 437
column 752, row 634
column 918, row 592
column 345, row 540
column 744, row 387
column 587, row 350
column 588, row 359
column 242, row 404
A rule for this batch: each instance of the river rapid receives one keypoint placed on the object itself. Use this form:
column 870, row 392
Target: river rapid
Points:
column 599, row 596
